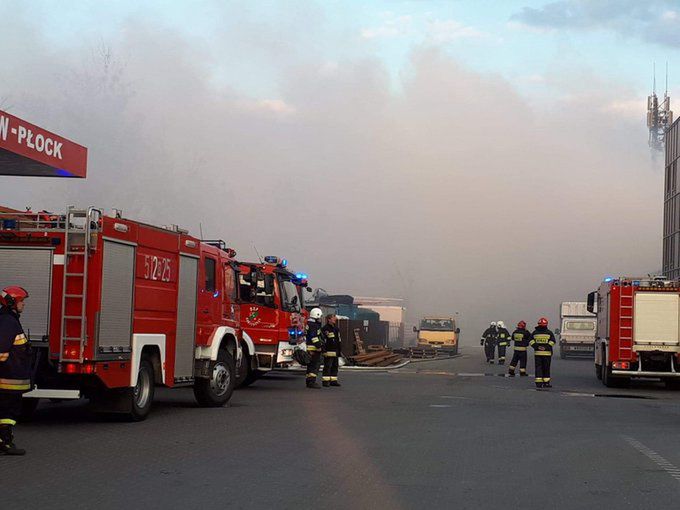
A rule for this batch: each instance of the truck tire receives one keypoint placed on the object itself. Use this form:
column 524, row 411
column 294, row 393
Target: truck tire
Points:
column 563, row 353
column 28, row 407
column 598, row 372
column 672, row 384
column 246, row 375
column 217, row 390
column 141, row 396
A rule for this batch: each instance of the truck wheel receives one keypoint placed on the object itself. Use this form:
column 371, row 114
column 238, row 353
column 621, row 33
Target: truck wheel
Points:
column 246, row 375
column 598, row 372
column 141, row 396
column 563, row 353
column 672, row 384
column 28, row 407
column 216, row 391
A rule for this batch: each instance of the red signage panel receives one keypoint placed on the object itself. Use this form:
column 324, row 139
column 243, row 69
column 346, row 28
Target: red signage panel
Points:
column 26, row 149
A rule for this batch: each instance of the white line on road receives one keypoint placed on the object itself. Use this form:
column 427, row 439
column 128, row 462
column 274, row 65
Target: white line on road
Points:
column 439, row 405
column 660, row 461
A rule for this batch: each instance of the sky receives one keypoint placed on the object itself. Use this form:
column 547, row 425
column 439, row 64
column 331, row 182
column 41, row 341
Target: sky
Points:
column 483, row 157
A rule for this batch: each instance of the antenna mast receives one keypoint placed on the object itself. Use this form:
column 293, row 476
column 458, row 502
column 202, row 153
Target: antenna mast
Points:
column 659, row 116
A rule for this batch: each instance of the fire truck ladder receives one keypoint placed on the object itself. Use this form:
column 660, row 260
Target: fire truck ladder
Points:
column 626, row 296
column 79, row 225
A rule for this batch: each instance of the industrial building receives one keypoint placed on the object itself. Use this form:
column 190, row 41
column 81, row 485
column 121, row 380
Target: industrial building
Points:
column 671, row 207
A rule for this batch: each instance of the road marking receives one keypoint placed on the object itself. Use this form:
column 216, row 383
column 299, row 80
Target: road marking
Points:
column 439, row 405
column 452, row 396
column 660, row 461
column 463, row 374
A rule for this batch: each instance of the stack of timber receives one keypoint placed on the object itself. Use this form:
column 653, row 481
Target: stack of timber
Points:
column 425, row 352
column 376, row 358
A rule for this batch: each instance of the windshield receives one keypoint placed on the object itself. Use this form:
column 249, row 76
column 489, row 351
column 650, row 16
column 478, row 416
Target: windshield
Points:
column 579, row 326
column 290, row 297
column 437, row 324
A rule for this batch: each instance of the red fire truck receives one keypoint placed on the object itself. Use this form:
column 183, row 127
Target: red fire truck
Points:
column 118, row 306
column 638, row 333
column 272, row 316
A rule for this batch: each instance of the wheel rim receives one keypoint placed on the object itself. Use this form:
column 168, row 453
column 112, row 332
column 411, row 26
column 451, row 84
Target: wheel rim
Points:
column 142, row 389
column 221, row 378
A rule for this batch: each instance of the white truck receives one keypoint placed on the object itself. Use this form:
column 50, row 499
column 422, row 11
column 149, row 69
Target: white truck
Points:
column 577, row 329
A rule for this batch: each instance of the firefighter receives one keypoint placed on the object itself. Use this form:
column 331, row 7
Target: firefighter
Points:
column 331, row 351
column 521, row 338
column 542, row 341
column 503, row 341
column 489, row 342
column 314, row 346
column 15, row 366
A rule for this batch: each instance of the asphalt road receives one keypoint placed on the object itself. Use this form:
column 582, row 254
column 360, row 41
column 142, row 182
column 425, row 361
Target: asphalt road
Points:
column 442, row 434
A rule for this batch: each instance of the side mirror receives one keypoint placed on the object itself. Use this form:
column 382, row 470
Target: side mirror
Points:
column 557, row 331
column 457, row 331
column 415, row 330
column 592, row 302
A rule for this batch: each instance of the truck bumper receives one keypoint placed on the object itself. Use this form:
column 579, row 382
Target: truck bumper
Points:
column 635, row 373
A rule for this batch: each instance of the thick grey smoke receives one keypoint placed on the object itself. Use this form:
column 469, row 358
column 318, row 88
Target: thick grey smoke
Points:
column 454, row 193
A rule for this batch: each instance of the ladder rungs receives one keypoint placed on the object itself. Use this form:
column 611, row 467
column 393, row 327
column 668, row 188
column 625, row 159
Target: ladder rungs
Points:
column 70, row 338
column 73, row 317
column 74, row 295
column 75, row 274
column 75, row 252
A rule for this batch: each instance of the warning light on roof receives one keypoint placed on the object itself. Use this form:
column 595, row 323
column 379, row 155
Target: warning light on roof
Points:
column 609, row 279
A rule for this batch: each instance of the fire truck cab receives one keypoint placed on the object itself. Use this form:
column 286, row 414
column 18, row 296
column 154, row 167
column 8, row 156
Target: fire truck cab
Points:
column 118, row 307
column 638, row 330
column 272, row 316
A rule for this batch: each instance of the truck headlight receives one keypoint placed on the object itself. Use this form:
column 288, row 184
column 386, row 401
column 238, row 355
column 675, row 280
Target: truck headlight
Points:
column 286, row 352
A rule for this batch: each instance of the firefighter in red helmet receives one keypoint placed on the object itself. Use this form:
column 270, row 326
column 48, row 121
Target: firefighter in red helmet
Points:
column 542, row 341
column 15, row 365
column 521, row 338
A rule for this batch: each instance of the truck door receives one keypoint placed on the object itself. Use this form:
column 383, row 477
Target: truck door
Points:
column 260, row 316
column 230, row 310
column 209, row 299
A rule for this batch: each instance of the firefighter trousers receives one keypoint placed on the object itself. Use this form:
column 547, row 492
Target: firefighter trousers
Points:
column 501, row 352
column 330, row 367
column 313, row 365
column 10, row 407
column 489, row 350
column 542, row 370
column 518, row 357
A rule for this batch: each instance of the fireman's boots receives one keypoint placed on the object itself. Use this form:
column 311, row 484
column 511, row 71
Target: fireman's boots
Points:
column 7, row 446
column 312, row 384
column 335, row 383
column 511, row 371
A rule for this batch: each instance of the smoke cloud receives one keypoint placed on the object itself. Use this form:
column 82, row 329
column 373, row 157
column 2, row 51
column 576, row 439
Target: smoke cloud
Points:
column 454, row 192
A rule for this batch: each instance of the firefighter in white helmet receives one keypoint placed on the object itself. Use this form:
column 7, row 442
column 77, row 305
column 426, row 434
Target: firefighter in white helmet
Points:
column 314, row 347
column 503, row 341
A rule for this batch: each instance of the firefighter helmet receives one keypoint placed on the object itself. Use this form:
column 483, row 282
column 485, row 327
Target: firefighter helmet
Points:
column 12, row 295
column 542, row 321
column 315, row 314
column 521, row 324
column 493, row 324
column 501, row 324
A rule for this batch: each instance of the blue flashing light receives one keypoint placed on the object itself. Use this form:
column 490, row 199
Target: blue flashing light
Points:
column 217, row 293
column 271, row 259
column 609, row 279
column 63, row 173
column 284, row 263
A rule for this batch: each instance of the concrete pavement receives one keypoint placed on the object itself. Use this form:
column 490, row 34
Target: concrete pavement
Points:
column 441, row 434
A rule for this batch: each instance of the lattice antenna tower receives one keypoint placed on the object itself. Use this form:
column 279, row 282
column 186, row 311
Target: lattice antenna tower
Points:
column 659, row 115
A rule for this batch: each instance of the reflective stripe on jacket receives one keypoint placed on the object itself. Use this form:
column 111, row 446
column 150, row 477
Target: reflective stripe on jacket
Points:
column 15, row 357
column 542, row 341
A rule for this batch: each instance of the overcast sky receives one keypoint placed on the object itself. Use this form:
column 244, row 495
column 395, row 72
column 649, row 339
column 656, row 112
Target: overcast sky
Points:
column 483, row 157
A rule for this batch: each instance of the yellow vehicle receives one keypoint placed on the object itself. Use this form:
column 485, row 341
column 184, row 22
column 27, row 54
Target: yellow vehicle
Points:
column 438, row 332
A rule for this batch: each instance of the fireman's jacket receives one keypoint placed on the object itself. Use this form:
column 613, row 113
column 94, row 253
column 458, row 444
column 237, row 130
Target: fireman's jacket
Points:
column 503, row 336
column 542, row 340
column 313, row 336
column 15, row 355
column 521, row 337
column 331, row 337
column 489, row 336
